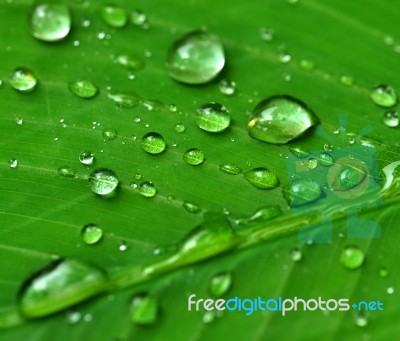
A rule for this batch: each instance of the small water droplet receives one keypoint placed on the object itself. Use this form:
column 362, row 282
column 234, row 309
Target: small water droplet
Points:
column 115, row 17
column 147, row 189
column 103, row 181
column 209, row 316
column 384, row 96
column 261, row 215
column 180, row 128
column 352, row 258
column 383, row 272
column 280, row 119
column 138, row 176
column 109, row 134
column 304, row 191
column 230, row 168
column 153, row 143
column 122, row 246
column 299, row 152
column 325, row 159
column 139, row 19
column 220, row 284
column 153, row 105
column 296, row 255
column 67, row 172
column 13, row 163
column 83, row 88
column 390, row 290
column 284, row 57
column 391, row 119
column 91, row 234
column 73, row 317
column 227, row 87
column 196, row 58
column 19, row 120
column 346, row 80
column 361, row 319
column 191, row 207
column 262, row 178
column 307, row 65
column 50, row 22
column 23, row 79
column 86, row 157
column 312, row 163
column 267, row 33
column 194, row 157
column 124, row 100
column 144, row 309
column 129, row 61
column 213, row 117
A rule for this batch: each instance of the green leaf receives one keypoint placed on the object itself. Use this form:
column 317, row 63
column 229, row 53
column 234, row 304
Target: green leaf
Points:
column 329, row 55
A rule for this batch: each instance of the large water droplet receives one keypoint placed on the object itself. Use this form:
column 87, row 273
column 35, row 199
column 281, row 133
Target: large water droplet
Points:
column 153, row 143
column 304, row 191
column 262, row 178
column 391, row 119
column 147, row 189
column 86, row 158
column 280, row 119
column 220, row 284
column 114, row 16
column 23, row 79
column 213, row 117
column 230, row 168
column 83, row 88
column 59, row 286
column 384, row 96
column 103, row 181
column 91, row 234
column 195, row 58
column 194, row 157
column 50, row 22
column 350, row 177
column 144, row 309
column 352, row 258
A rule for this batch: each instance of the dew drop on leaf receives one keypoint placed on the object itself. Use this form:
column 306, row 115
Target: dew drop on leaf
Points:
column 280, row 119
column 261, row 215
column 307, row 65
column 346, row 81
column 115, row 17
column 19, row 121
column 361, row 319
column 220, row 284
column 299, row 152
column 103, row 181
column 191, row 207
column 91, row 234
column 194, row 157
column 296, row 255
column 312, row 163
column 262, row 178
column 230, row 168
column 153, row 143
column 23, row 80
column 180, row 128
column 267, row 33
column 196, row 58
column 147, row 189
column 304, row 191
column 73, row 317
column 122, row 246
column 67, row 171
column 384, row 95
column 86, row 158
column 13, row 163
column 144, row 309
column 109, row 134
column 139, row 19
column 227, row 87
column 325, row 159
column 125, row 100
column 129, row 61
column 383, row 272
column 391, row 119
column 390, row 290
column 213, row 117
column 50, row 22
column 83, row 88
column 352, row 258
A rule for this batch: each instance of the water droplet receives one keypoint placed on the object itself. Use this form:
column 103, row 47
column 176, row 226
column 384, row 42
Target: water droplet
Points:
column 153, row 105
column 383, row 272
column 109, row 134
column 220, row 284
column 312, row 163
column 50, row 22
column 19, row 120
column 122, row 246
column 349, row 177
column 296, row 255
column 73, row 317
column 390, row 290
column 346, row 80
column 60, row 286
column 361, row 319
column 325, row 159
column 153, row 143
column 180, row 128
column 139, row 19
column 267, row 34
column 384, row 96
column 209, row 316
column 352, row 258
column 114, row 16
column 83, row 88
column 91, row 234
column 124, row 100
column 13, row 163
column 138, row 176
column 191, row 207
column 213, row 117
column 284, row 57
column 86, row 158
column 103, row 181
column 307, row 65
column 230, row 168
column 194, row 157
column 304, row 191
column 144, row 309
column 147, row 189
column 262, row 178
column 128, row 61
column 262, row 215
column 196, row 58
column 22, row 79
column 227, row 87
column 280, row 119
column 67, row 172
column 299, row 152
column 391, row 119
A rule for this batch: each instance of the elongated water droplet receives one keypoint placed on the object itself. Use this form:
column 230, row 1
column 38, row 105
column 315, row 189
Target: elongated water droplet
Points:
column 144, row 309
column 280, row 119
column 86, row 158
column 153, row 105
column 213, row 117
column 296, row 255
column 346, row 81
column 262, row 178
column 350, row 177
column 147, row 189
column 227, row 87
column 50, row 22
column 13, row 163
column 109, row 134
column 391, row 119
column 194, row 157
column 23, row 79
column 91, row 234
column 153, row 143
column 129, row 61
column 180, row 128
column 67, row 171
column 352, row 258
column 114, row 16
column 191, row 207
column 307, row 65
column 262, row 215
column 220, row 284
column 384, row 95
column 83, row 88
column 125, row 100
column 60, row 286
column 103, row 181
column 196, row 58
column 325, row 159
column 304, row 191
column 299, row 152
column 230, row 168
